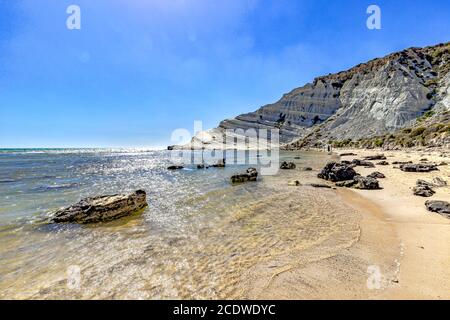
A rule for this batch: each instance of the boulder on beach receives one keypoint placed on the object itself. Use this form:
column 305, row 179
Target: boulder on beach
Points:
column 250, row 175
column 102, row 208
column 287, row 165
column 346, row 184
column 366, row 183
column 441, row 207
column 423, row 191
column 376, row 175
column 362, row 163
column 335, row 172
column 376, row 157
column 421, row 167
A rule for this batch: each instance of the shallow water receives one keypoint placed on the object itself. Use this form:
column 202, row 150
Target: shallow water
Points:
column 197, row 238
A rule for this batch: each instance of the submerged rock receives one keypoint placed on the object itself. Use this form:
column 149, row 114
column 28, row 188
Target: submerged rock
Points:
column 250, row 175
column 335, row 172
column 175, row 167
column 418, row 167
column 287, row 166
column 103, row 208
column 441, row 207
column 220, row 164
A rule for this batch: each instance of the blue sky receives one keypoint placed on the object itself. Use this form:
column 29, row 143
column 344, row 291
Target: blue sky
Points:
column 139, row 69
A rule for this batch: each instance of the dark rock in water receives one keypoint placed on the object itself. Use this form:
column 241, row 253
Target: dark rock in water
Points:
column 366, row 183
column 287, row 166
column 423, row 191
column 220, row 164
column 441, row 207
column 402, row 162
column 170, row 148
column 103, row 208
column 335, row 172
column 202, row 166
column 250, row 175
column 376, row 175
column 376, row 157
column 362, row 163
column 383, row 163
column 347, row 154
column 7, row 180
column 418, row 167
column 346, row 184
column 175, row 168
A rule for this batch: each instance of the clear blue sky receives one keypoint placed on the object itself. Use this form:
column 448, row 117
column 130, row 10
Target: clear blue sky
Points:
column 139, row 69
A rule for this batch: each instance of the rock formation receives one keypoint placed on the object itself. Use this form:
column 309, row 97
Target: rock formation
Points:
column 103, row 208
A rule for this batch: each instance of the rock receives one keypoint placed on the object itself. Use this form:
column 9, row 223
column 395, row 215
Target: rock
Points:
column 175, row 168
column 441, row 207
column 423, row 160
column 376, row 157
column 366, row 183
column 170, row 148
column 418, row 167
column 347, row 154
column 346, row 184
column 288, row 165
column 376, row 175
column 335, row 172
column 423, row 191
column 307, row 169
column 319, row 185
column 295, row 183
column 250, row 175
column 202, row 166
column 103, row 208
column 421, row 183
column 383, row 163
column 401, row 162
column 439, row 182
column 220, row 164
column 362, row 163
column 443, row 164
column 297, row 158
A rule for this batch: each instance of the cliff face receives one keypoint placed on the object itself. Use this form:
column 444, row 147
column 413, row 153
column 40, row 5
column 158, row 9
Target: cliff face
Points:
column 378, row 97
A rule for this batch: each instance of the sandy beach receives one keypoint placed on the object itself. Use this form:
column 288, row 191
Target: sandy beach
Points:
column 400, row 245
column 423, row 237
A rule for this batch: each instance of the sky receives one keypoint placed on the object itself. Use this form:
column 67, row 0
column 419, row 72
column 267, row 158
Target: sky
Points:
column 139, row 69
